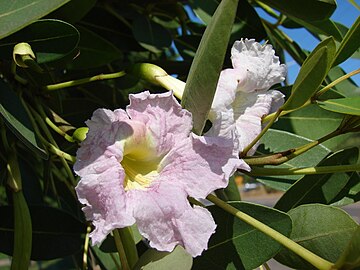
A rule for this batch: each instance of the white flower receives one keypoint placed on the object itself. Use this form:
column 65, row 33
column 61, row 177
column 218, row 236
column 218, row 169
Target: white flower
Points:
column 242, row 97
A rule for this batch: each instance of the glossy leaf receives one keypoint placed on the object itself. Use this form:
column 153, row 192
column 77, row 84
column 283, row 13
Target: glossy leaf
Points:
column 16, row 118
column 350, row 258
column 327, row 237
column 207, row 64
column 151, row 35
column 349, row 44
column 237, row 245
column 55, row 233
column 321, row 188
column 349, row 105
column 49, row 39
column 311, row 75
column 277, row 141
column 320, row 9
column 152, row 259
column 17, row 14
column 94, row 51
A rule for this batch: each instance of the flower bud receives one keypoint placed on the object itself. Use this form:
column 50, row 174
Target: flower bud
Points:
column 157, row 76
column 80, row 134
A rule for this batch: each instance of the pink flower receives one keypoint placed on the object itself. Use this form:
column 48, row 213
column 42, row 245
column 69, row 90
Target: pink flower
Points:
column 242, row 96
column 140, row 165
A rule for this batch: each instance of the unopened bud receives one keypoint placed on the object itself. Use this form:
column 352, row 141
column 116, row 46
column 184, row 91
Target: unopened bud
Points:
column 80, row 134
column 157, row 76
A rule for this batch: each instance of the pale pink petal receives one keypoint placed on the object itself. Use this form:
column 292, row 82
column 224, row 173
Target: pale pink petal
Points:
column 262, row 67
column 250, row 109
column 202, row 164
column 104, row 199
column 166, row 219
column 226, row 89
column 166, row 120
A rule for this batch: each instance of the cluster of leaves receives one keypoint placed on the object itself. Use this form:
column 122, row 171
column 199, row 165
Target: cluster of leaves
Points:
column 74, row 41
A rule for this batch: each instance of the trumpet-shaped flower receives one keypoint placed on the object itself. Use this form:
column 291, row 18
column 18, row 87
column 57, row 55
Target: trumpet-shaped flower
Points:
column 242, row 97
column 140, row 165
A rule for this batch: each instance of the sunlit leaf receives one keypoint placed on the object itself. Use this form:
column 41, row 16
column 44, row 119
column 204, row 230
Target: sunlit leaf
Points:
column 276, row 141
column 238, row 245
column 311, row 75
column 19, row 13
column 349, row 105
column 205, row 69
column 321, row 188
column 325, row 230
column 350, row 43
column 153, row 259
column 350, row 258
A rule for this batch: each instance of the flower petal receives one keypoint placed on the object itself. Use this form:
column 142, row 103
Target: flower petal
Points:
column 262, row 67
column 167, row 121
column 165, row 217
column 202, row 164
column 249, row 109
column 104, row 198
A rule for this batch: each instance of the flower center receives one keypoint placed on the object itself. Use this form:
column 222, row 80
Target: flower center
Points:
column 138, row 174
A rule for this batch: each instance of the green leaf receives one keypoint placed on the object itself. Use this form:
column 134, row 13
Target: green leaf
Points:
column 73, row 11
column 232, row 190
column 350, row 193
column 152, row 259
column 349, row 105
column 16, row 118
column 236, row 244
column 49, row 39
column 311, row 75
column 55, row 233
column 277, row 141
column 324, row 230
column 22, row 233
column 187, row 45
column 349, row 44
column 320, row 9
column 325, row 27
column 94, row 51
column 247, row 21
column 108, row 261
column 348, row 87
column 18, row 14
column 207, row 64
column 321, row 188
column 350, row 258
column 151, row 35
column 299, row 121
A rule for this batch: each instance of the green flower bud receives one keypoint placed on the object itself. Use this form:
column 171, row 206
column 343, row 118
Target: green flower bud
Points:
column 80, row 134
